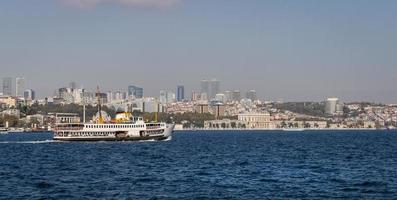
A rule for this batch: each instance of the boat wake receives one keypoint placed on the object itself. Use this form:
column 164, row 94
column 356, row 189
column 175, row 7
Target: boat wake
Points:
column 29, row 142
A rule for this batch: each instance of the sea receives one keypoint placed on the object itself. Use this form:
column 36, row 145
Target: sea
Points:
column 203, row 165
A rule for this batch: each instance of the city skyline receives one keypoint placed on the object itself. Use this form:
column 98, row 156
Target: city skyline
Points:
column 294, row 51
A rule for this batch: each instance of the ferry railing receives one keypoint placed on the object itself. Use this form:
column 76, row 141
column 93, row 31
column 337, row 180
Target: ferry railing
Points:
column 68, row 128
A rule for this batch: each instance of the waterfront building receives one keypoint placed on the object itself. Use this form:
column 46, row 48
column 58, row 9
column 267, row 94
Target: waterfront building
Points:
column 9, row 101
column 66, row 118
column 29, row 94
column 7, row 86
column 180, row 93
column 223, row 124
column 135, row 92
column 300, row 124
column 256, row 120
column 19, row 86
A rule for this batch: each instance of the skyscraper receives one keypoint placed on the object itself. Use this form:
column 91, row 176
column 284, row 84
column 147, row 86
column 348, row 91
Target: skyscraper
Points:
column 205, row 87
column 134, row 91
column 214, row 88
column 333, row 106
column 19, row 87
column 7, row 86
column 251, row 95
column 236, row 96
column 29, row 94
column 210, row 88
column 166, row 97
column 180, row 93
column 228, row 96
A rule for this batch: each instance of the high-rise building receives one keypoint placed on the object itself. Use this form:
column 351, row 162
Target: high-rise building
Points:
column 228, row 96
column 236, row 95
column 136, row 92
column 150, row 105
column 7, row 86
column 109, row 95
column 205, row 87
column 19, row 87
column 119, row 96
column 103, row 97
column 78, row 96
column 252, row 95
column 333, row 106
column 210, row 88
column 29, row 94
column 180, row 93
column 214, row 88
column 166, row 97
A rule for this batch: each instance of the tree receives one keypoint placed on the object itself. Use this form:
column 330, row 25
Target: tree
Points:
column 12, row 120
column 283, row 124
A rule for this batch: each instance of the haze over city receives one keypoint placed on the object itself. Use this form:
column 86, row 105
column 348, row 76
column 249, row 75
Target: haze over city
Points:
column 293, row 50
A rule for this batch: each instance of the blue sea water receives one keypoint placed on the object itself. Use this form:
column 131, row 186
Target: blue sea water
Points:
column 203, row 165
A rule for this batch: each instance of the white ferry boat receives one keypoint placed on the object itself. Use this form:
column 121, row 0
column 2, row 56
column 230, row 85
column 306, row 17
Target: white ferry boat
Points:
column 124, row 127
column 121, row 130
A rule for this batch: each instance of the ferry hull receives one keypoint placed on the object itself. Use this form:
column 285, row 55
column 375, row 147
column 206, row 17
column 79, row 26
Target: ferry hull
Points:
column 96, row 139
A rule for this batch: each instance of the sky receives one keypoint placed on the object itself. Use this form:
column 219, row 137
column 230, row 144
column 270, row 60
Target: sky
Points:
column 292, row 50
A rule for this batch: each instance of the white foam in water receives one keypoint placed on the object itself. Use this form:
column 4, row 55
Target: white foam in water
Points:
column 28, row 142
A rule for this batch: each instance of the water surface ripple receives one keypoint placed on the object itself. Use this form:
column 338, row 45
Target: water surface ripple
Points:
column 203, row 165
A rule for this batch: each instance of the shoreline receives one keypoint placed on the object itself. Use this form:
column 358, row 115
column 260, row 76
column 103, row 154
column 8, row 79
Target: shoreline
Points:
column 291, row 130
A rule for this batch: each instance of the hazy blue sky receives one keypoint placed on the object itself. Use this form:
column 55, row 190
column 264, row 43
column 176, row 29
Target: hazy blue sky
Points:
column 295, row 50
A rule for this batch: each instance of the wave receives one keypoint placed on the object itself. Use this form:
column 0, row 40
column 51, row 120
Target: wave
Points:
column 29, row 142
